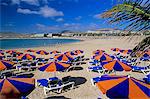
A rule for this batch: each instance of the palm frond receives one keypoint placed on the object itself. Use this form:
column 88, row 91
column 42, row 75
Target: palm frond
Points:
column 134, row 12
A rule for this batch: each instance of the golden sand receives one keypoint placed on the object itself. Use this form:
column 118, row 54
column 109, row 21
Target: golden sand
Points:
column 85, row 90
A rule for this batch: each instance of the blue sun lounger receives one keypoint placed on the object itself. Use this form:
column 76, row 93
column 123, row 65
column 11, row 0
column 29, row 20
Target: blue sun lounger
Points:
column 45, row 82
column 147, row 79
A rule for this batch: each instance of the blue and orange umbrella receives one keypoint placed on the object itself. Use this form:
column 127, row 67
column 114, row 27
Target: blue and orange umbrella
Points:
column 63, row 57
column 123, row 87
column 16, row 87
column 117, row 65
column 2, row 51
column 103, row 57
column 11, row 51
column 26, row 56
column 5, row 64
column 78, row 52
column 54, row 52
column 1, row 56
column 146, row 54
column 99, row 52
column 115, row 49
column 126, row 51
column 29, row 50
column 42, row 52
column 70, row 53
column 54, row 66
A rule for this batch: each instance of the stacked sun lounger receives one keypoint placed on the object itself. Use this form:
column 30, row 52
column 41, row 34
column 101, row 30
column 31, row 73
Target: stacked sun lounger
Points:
column 55, row 84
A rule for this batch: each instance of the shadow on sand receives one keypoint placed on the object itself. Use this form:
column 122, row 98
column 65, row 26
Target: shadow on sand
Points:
column 57, row 97
column 78, row 80
column 25, row 75
column 76, row 68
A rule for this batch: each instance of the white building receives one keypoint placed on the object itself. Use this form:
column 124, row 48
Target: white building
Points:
column 37, row 35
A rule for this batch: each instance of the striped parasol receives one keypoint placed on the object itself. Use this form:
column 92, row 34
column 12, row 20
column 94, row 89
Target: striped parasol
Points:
column 54, row 52
column 42, row 52
column 63, row 57
column 14, row 88
column 26, row 56
column 5, row 64
column 99, row 52
column 54, row 66
column 117, row 65
column 103, row 57
column 123, row 87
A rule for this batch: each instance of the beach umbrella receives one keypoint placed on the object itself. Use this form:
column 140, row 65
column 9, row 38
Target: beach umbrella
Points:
column 42, row 52
column 29, row 50
column 129, row 50
column 2, row 51
column 54, row 52
column 103, row 57
column 123, row 87
column 54, row 66
column 146, row 55
column 26, row 56
column 98, row 52
column 115, row 49
column 63, row 57
column 5, row 64
column 78, row 52
column 70, row 53
column 125, row 51
column 14, row 88
column 1, row 56
column 11, row 51
column 145, row 58
column 117, row 65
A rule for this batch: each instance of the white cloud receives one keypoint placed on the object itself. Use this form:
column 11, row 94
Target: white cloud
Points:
column 44, row 11
column 26, row 11
column 72, row 26
column 46, row 28
column 31, row 2
column 15, row 2
column 60, row 20
column 97, row 16
column 50, row 12
column 5, row 4
column 78, row 18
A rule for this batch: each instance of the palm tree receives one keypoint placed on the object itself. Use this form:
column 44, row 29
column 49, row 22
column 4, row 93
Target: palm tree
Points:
column 134, row 13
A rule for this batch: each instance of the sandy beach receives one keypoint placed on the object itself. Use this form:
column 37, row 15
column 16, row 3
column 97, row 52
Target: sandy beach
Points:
column 84, row 89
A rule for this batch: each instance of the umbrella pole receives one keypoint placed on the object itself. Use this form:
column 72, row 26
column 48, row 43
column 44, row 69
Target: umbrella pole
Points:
column 54, row 74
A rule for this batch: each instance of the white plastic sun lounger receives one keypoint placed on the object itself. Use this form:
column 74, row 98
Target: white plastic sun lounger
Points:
column 146, row 71
column 58, row 88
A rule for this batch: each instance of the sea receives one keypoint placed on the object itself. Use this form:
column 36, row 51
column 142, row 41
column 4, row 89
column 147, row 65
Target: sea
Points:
column 30, row 43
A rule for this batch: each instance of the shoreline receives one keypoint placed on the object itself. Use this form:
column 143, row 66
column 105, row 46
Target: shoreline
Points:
column 81, row 39
column 52, row 45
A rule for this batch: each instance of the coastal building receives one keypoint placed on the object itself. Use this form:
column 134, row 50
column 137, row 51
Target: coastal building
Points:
column 37, row 35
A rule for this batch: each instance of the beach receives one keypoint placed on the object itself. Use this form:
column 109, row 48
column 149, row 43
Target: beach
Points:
column 84, row 89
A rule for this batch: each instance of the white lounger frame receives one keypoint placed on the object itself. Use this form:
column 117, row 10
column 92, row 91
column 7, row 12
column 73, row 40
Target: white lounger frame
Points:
column 58, row 88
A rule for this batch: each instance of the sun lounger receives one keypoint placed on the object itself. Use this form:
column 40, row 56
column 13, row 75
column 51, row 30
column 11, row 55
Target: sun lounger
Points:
column 95, row 80
column 42, row 82
column 58, row 88
column 45, row 82
column 7, row 73
column 147, row 79
column 98, row 69
column 144, row 70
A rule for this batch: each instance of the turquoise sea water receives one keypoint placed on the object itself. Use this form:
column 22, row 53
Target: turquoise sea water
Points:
column 29, row 43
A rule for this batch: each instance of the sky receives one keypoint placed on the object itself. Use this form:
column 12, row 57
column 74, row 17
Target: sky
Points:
column 36, row 16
